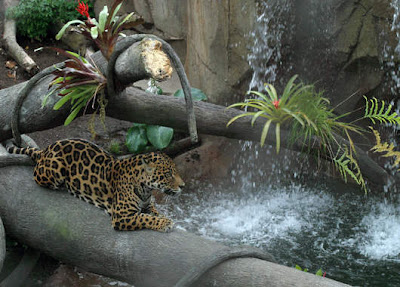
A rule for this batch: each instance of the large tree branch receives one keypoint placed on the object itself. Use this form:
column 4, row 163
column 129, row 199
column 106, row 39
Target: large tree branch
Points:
column 80, row 234
column 134, row 105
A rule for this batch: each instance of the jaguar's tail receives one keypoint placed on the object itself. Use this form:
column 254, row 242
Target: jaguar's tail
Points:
column 33, row 153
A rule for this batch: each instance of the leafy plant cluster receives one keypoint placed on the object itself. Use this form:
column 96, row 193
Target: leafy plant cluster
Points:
column 35, row 18
column 81, row 82
column 318, row 273
column 143, row 137
column 308, row 116
column 104, row 32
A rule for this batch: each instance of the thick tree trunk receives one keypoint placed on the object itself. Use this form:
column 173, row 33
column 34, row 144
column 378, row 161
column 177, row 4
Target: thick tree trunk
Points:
column 80, row 234
column 11, row 45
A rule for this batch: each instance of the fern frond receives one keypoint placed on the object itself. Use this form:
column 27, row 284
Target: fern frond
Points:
column 347, row 165
column 382, row 114
column 385, row 148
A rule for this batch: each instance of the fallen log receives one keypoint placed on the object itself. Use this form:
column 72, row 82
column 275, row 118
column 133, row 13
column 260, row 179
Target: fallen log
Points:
column 138, row 106
column 11, row 45
column 134, row 105
column 80, row 234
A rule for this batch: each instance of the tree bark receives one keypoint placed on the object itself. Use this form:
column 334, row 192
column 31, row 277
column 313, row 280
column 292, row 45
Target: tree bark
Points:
column 11, row 45
column 80, row 234
column 2, row 244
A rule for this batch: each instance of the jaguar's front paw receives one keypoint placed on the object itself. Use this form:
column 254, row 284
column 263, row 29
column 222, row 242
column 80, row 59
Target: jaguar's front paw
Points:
column 166, row 225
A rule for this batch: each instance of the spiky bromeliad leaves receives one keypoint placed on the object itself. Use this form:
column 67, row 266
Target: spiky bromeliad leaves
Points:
column 277, row 110
column 104, row 32
column 80, row 83
column 309, row 116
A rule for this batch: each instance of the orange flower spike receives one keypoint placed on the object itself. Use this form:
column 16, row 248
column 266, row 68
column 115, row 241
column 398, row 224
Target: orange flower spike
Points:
column 83, row 9
column 276, row 103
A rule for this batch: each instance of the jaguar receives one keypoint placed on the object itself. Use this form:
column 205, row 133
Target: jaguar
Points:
column 122, row 187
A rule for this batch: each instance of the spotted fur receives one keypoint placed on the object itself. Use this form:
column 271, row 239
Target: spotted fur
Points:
column 122, row 187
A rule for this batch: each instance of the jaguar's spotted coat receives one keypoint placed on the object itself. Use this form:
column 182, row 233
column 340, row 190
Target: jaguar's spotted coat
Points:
column 122, row 187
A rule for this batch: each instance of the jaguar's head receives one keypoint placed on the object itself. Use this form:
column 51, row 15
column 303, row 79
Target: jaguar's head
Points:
column 160, row 173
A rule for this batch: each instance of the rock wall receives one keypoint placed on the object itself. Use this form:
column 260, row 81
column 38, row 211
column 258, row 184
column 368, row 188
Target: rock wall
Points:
column 337, row 44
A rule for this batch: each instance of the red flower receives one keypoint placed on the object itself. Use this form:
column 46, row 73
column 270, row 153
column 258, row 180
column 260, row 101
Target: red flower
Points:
column 83, row 9
column 276, row 104
column 324, row 274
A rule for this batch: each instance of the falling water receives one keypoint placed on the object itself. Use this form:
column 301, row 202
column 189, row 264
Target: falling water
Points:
column 265, row 52
column 354, row 238
column 391, row 54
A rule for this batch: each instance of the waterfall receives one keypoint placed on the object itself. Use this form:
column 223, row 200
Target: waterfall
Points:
column 266, row 39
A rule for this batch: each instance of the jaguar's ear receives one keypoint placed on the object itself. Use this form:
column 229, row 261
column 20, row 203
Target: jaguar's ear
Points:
column 147, row 166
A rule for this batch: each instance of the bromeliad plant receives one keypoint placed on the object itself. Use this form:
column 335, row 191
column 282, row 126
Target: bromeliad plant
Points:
column 79, row 82
column 300, row 106
column 309, row 116
column 104, row 33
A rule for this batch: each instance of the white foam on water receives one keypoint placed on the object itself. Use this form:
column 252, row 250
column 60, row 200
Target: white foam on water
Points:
column 381, row 240
column 254, row 218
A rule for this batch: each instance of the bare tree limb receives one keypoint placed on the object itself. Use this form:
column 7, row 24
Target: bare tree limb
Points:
column 11, row 45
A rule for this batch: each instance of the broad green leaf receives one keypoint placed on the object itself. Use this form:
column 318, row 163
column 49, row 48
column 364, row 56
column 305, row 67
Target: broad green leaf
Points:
column 139, row 125
column 319, row 273
column 46, row 97
column 278, row 137
column 197, row 94
column 271, row 92
column 73, row 115
column 136, row 139
column 78, row 56
column 94, row 32
column 159, row 136
column 289, row 85
column 102, row 19
column 62, row 101
column 298, row 267
column 237, row 117
column 62, row 31
column 115, row 12
column 261, row 95
column 125, row 19
column 265, row 131
column 255, row 117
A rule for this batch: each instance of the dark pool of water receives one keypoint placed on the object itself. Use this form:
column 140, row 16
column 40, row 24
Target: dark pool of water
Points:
column 353, row 237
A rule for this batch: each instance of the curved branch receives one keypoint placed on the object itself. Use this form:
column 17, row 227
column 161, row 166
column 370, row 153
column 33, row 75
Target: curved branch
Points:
column 124, row 44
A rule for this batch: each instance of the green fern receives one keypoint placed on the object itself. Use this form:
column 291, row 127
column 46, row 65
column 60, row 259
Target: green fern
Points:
column 382, row 114
column 347, row 165
column 385, row 148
